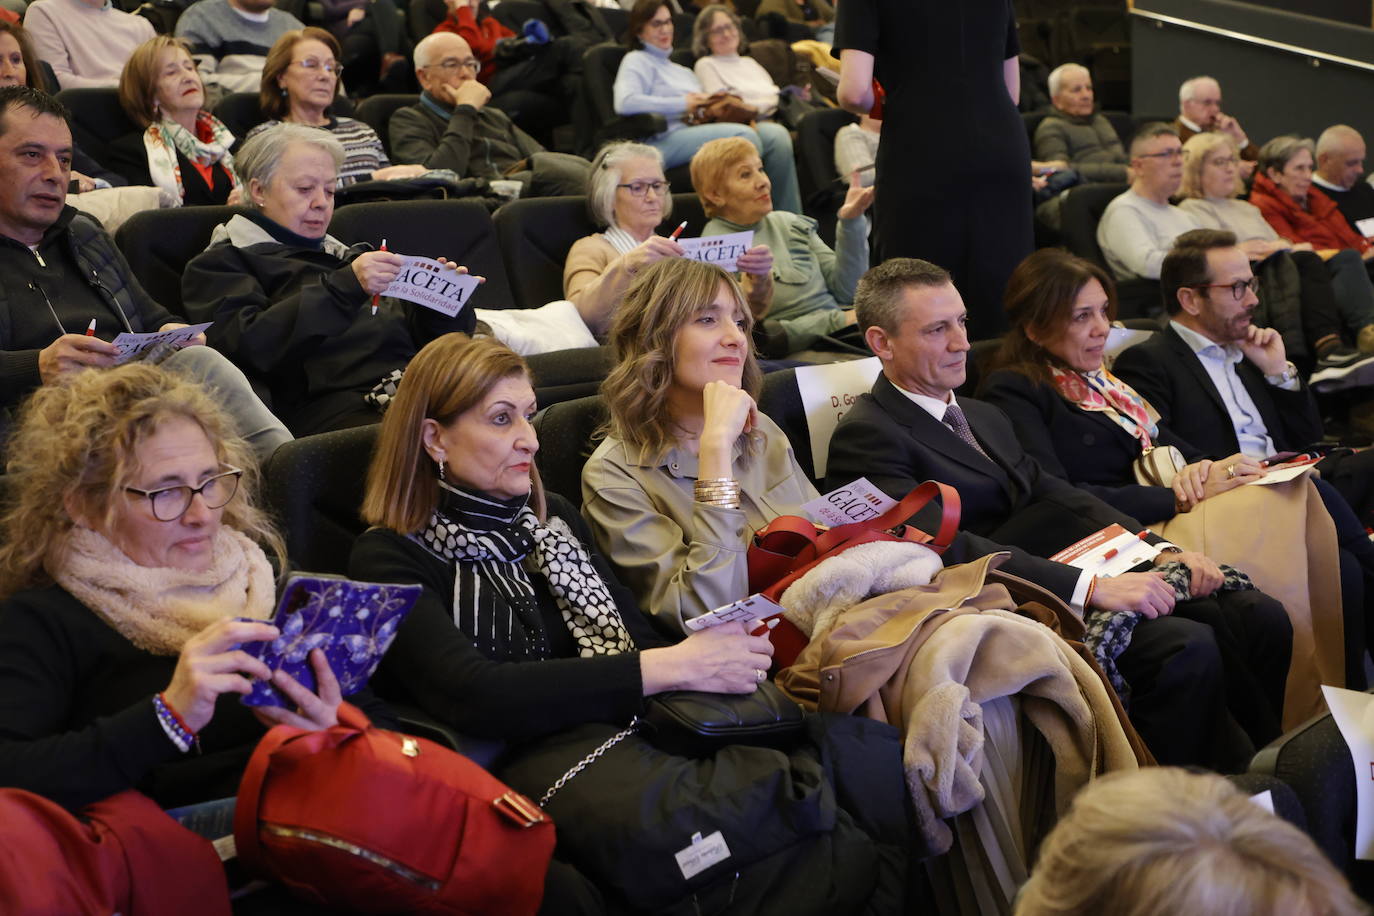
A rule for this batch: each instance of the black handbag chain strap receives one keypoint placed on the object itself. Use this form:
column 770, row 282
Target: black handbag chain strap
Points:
column 588, row 760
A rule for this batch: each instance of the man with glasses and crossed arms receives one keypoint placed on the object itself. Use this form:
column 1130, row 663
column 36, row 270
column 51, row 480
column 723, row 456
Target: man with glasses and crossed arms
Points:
column 1138, row 228
column 453, row 127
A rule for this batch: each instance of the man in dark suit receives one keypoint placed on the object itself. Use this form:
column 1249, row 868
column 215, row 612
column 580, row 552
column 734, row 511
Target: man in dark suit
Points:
column 911, row 428
column 1222, row 384
column 1226, row 386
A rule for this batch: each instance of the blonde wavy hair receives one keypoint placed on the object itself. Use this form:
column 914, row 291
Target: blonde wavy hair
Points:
column 448, row 377
column 643, row 339
column 1164, row 840
column 1195, row 153
column 77, row 442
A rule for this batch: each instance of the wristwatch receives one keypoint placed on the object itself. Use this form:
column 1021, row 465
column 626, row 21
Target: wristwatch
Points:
column 1289, row 373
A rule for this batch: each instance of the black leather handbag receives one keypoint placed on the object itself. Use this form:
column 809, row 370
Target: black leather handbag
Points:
column 696, row 724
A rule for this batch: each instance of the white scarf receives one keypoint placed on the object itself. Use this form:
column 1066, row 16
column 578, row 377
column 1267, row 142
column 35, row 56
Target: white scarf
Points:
column 159, row 608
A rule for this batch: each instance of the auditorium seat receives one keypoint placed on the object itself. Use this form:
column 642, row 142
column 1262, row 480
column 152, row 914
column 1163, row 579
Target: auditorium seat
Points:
column 96, row 119
column 822, row 189
column 376, row 110
column 158, row 244
column 313, row 487
column 780, row 399
column 565, row 443
column 1315, row 761
column 536, row 234
column 422, row 16
column 1081, row 211
column 460, row 230
column 599, row 66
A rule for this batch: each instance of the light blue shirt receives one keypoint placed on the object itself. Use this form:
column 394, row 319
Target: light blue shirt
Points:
column 1220, row 363
column 648, row 81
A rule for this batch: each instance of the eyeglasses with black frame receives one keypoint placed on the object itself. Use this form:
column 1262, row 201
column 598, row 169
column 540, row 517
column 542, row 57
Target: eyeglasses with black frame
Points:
column 171, row 503
column 640, row 188
column 1237, row 289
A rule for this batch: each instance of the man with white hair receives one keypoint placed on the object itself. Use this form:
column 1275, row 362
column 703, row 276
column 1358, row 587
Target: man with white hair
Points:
column 1340, row 165
column 1073, row 136
column 1199, row 110
column 453, row 127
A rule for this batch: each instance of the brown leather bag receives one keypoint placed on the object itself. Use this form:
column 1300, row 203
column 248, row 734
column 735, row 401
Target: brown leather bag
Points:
column 724, row 107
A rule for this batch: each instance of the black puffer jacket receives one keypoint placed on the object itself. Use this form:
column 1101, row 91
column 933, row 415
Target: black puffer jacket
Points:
column 296, row 318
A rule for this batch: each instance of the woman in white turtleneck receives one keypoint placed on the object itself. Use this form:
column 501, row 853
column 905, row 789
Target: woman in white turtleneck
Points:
column 718, row 41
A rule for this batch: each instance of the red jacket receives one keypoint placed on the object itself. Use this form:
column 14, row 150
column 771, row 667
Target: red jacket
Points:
column 1321, row 223
column 480, row 36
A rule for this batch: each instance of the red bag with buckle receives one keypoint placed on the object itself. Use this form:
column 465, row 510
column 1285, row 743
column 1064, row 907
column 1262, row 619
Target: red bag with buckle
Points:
column 789, row 546
column 379, row 822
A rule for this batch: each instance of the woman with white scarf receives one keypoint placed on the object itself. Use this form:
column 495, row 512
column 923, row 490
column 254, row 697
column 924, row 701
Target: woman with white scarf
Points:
column 522, row 630
column 182, row 149
column 133, row 570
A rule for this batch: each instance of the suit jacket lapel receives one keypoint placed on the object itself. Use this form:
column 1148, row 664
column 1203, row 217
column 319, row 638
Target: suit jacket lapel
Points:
column 1185, row 356
column 929, row 432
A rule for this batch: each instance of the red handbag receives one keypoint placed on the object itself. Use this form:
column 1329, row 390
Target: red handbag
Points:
column 376, row 821
column 119, row 855
column 789, row 546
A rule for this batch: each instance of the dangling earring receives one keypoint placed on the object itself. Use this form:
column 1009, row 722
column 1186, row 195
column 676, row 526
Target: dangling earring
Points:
column 283, row 92
column 439, row 461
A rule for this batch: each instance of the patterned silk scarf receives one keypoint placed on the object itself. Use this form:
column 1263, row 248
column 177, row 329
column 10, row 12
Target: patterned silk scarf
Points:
column 1102, row 391
column 494, row 544
column 208, row 145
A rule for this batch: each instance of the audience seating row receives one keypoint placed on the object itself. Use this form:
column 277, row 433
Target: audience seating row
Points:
column 521, row 253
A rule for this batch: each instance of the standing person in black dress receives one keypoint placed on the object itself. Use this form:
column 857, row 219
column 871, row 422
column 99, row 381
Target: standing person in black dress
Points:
column 953, row 168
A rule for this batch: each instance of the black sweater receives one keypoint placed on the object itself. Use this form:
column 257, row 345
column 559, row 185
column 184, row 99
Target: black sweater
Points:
column 296, row 317
column 128, row 156
column 435, row 665
column 76, row 712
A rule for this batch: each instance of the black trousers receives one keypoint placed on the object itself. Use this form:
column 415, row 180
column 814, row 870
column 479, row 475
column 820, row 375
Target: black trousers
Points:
column 1207, row 681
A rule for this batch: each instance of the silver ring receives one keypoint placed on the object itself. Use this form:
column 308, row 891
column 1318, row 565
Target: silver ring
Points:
column 760, row 674
column 1230, row 472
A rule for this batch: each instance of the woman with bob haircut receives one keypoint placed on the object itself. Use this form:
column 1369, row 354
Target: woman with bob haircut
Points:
column 1164, row 840
column 630, row 197
column 180, row 149
column 301, row 78
column 648, row 82
column 812, row 285
column 522, row 629
column 1334, row 292
column 132, row 552
column 689, row 465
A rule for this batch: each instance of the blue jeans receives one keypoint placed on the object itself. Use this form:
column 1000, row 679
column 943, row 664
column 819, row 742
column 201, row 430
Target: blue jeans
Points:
column 772, row 140
column 1354, row 293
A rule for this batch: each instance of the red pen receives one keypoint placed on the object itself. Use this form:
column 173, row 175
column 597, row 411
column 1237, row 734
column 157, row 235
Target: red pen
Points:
column 678, row 231
column 90, row 328
column 1114, row 551
column 375, row 298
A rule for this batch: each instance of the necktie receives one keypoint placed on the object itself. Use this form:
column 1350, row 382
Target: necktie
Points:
column 955, row 420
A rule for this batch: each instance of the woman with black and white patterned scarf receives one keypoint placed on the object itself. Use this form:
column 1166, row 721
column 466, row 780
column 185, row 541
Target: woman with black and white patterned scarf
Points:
column 522, row 630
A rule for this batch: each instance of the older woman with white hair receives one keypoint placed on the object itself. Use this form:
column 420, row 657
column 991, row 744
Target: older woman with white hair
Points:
column 630, row 197
column 292, row 305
